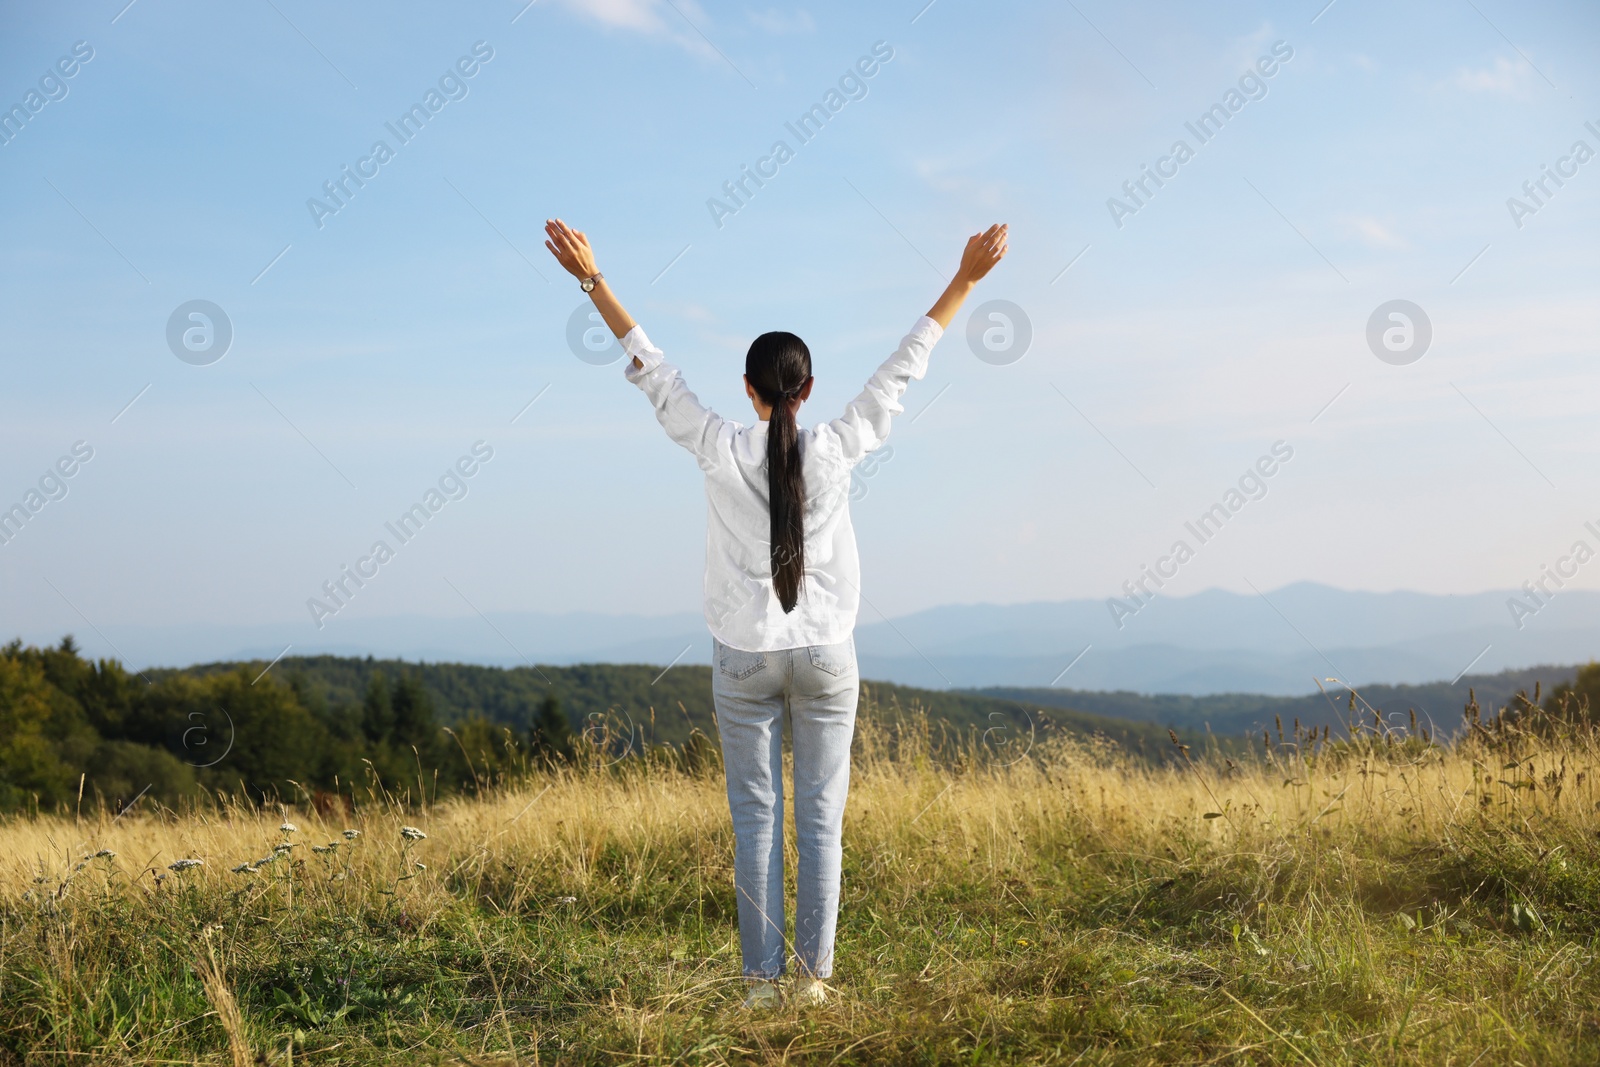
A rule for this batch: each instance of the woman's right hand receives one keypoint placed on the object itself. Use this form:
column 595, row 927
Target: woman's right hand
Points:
column 983, row 251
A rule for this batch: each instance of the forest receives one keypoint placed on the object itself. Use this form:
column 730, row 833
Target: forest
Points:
column 76, row 732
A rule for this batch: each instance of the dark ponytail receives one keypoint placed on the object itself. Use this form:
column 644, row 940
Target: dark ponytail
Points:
column 778, row 367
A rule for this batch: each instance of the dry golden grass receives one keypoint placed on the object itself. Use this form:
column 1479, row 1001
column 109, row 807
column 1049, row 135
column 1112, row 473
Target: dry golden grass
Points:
column 1383, row 901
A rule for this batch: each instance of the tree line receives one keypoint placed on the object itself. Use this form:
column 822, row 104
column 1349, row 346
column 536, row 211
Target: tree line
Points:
column 75, row 731
column 81, row 732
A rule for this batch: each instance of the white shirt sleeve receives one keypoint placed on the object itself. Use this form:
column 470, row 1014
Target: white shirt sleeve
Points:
column 686, row 420
column 864, row 425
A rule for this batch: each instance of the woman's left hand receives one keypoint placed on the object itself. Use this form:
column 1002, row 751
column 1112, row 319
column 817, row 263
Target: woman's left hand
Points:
column 571, row 249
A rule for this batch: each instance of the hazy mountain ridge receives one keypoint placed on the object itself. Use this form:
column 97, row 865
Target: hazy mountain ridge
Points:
column 1209, row 643
column 1438, row 705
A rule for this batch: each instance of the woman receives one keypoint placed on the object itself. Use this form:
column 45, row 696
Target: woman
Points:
column 781, row 597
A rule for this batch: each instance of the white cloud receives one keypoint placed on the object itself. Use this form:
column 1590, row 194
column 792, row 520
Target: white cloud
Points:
column 954, row 175
column 1373, row 233
column 779, row 23
column 652, row 18
column 1505, row 78
column 697, row 313
column 643, row 16
column 1249, row 47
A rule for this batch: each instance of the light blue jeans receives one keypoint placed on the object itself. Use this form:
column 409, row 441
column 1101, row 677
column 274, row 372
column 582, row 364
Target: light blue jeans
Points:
column 819, row 687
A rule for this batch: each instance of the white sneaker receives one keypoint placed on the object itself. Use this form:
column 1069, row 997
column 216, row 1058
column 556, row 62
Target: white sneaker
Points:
column 762, row 995
column 810, row 992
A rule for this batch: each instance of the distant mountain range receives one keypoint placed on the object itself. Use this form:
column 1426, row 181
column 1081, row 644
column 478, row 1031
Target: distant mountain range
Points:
column 1434, row 707
column 1213, row 642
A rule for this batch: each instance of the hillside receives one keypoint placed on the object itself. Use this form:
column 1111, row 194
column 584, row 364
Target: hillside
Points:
column 660, row 707
column 1437, row 704
column 74, row 731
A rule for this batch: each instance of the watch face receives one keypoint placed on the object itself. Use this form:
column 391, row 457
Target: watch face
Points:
column 588, row 285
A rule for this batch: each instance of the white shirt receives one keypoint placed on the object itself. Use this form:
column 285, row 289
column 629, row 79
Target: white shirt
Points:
column 741, row 607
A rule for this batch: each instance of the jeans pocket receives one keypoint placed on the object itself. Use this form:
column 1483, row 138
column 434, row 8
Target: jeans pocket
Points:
column 737, row 663
column 833, row 659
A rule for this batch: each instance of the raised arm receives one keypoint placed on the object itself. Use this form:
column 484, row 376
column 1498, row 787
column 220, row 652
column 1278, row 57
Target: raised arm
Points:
column 686, row 420
column 864, row 425
column 866, row 421
column 572, row 251
column 983, row 251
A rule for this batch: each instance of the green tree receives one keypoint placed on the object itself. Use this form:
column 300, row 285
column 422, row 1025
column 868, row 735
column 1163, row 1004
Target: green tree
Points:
column 377, row 713
column 30, row 763
column 414, row 723
column 1579, row 699
column 271, row 742
column 119, row 771
column 483, row 753
column 550, row 733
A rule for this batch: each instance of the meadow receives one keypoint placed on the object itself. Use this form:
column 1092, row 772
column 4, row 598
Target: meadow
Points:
column 1380, row 898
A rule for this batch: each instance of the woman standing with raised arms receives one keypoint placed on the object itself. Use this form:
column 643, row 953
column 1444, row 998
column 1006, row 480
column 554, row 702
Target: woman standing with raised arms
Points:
column 781, row 595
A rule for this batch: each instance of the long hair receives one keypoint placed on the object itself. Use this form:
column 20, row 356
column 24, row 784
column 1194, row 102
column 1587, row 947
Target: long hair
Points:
column 778, row 366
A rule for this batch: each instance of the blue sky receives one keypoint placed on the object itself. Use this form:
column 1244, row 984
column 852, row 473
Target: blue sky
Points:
column 1226, row 314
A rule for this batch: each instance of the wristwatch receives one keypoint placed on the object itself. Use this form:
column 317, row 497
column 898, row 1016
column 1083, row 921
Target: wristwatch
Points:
column 588, row 284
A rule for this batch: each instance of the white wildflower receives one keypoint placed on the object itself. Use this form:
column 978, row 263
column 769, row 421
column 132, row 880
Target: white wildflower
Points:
column 411, row 833
column 319, row 849
column 244, row 868
column 351, row 835
column 566, row 900
column 289, row 828
column 184, row 865
column 105, row 854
